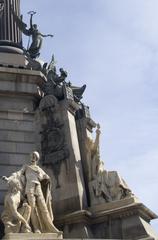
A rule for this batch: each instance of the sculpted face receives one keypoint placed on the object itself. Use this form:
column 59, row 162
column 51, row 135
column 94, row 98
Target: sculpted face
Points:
column 35, row 26
column 34, row 157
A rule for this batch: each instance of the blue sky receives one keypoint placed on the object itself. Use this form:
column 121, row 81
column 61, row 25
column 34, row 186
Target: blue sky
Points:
column 112, row 46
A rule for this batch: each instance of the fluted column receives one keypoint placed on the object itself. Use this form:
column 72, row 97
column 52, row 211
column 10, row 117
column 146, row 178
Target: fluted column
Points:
column 8, row 28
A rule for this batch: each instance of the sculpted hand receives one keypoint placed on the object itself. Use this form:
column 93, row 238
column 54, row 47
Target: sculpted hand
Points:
column 98, row 129
column 46, row 177
column 98, row 132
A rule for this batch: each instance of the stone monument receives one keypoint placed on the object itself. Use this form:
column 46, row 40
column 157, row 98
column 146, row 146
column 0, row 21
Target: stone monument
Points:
column 41, row 111
column 28, row 205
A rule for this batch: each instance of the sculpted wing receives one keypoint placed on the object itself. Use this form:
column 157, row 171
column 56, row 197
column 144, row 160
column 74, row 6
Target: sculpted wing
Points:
column 22, row 26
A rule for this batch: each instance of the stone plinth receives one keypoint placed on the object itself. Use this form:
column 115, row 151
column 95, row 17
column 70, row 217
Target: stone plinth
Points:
column 124, row 219
column 33, row 236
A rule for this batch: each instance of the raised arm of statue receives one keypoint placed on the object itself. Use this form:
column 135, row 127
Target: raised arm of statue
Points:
column 46, row 35
column 31, row 24
column 96, row 143
column 31, row 17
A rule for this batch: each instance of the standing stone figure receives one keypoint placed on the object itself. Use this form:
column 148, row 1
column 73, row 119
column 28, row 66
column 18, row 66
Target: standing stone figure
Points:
column 93, row 154
column 36, row 190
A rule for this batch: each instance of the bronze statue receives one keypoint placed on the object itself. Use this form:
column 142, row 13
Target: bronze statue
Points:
column 37, row 36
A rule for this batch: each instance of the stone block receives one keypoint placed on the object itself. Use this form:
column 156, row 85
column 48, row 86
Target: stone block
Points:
column 16, row 103
column 16, row 60
column 13, row 147
column 17, row 115
column 13, row 159
column 17, row 125
column 14, row 136
column 21, row 75
column 18, row 87
column 33, row 236
column 134, row 227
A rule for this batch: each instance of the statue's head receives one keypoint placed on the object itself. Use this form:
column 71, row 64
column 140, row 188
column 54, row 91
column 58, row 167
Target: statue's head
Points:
column 35, row 26
column 35, row 157
column 14, row 185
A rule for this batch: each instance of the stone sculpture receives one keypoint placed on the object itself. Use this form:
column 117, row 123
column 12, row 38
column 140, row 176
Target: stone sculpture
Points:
column 33, row 184
column 93, row 155
column 108, row 186
column 14, row 216
column 37, row 36
column 56, row 82
column 105, row 186
column 77, row 91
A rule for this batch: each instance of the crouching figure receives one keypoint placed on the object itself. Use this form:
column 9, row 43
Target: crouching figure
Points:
column 28, row 205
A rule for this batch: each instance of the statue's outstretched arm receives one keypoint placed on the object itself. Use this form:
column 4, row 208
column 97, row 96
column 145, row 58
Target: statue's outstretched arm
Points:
column 47, row 35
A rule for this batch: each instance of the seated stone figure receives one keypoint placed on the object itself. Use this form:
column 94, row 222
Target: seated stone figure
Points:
column 35, row 184
column 108, row 186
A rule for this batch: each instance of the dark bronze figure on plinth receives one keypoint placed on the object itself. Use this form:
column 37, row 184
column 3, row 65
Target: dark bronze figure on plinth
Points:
column 37, row 36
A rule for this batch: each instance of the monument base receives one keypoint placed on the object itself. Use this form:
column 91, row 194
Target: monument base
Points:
column 33, row 236
column 124, row 219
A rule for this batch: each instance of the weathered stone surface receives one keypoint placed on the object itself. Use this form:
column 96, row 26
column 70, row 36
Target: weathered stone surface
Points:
column 32, row 236
column 11, row 159
column 16, row 136
column 68, row 191
column 17, row 125
column 16, row 60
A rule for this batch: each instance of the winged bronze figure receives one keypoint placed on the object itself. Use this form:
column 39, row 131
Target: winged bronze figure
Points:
column 33, row 32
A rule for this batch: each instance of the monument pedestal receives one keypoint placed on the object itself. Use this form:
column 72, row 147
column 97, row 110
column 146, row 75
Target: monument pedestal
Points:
column 33, row 236
column 124, row 219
